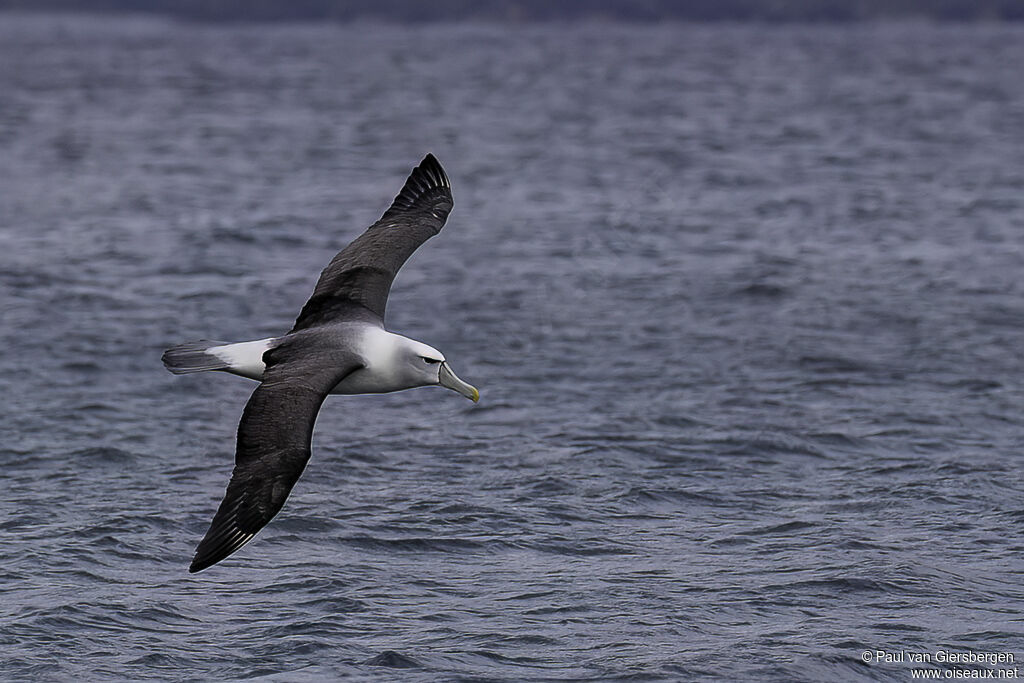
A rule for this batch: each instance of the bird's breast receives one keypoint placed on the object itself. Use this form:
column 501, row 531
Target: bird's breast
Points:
column 368, row 381
column 379, row 373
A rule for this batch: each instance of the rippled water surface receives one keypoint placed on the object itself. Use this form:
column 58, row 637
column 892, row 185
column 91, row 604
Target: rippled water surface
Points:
column 744, row 305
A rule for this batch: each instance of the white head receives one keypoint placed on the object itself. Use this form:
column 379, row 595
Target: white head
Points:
column 420, row 365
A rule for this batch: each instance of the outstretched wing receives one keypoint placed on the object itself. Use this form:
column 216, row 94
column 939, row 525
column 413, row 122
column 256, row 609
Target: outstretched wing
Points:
column 273, row 448
column 359, row 278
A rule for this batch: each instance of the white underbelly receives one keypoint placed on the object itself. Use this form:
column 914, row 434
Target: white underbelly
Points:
column 379, row 374
column 366, row 381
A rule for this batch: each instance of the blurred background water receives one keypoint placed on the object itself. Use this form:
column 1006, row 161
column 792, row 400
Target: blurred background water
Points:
column 743, row 302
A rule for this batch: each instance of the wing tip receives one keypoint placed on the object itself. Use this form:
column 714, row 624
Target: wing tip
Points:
column 430, row 164
column 427, row 183
column 206, row 557
column 222, row 539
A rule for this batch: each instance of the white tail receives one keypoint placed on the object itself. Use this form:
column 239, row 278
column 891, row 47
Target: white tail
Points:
column 242, row 358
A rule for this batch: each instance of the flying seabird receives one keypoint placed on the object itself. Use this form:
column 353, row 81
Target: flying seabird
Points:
column 338, row 345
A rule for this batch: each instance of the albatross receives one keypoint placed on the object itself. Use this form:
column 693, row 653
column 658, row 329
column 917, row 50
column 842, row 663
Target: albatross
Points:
column 338, row 345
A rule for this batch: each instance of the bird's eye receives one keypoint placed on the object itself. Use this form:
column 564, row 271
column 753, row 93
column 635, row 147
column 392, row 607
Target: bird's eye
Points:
column 430, row 361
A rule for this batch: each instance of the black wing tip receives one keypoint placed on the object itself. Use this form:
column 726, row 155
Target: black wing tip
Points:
column 224, row 537
column 199, row 565
column 204, row 559
column 426, row 187
column 207, row 556
column 432, row 167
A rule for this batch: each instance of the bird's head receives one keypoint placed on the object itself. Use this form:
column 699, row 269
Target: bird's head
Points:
column 429, row 367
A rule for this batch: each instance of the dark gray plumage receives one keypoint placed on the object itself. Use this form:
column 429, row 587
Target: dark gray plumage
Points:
column 274, row 442
column 337, row 345
column 360, row 276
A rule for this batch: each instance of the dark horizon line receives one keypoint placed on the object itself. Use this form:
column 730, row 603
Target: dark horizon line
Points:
column 539, row 11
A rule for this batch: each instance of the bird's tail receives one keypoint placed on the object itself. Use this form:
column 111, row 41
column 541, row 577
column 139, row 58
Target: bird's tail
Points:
column 193, row 357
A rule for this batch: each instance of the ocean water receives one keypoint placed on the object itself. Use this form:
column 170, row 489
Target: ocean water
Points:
column 744, row 304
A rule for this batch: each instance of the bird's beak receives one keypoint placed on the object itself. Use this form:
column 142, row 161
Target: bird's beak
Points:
column 447, row 378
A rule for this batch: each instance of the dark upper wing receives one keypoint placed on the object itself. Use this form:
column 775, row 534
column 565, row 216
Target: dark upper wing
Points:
column 359, row 278
column 273, row 446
